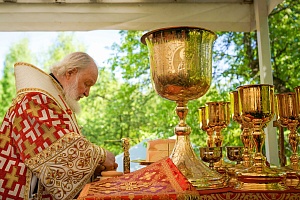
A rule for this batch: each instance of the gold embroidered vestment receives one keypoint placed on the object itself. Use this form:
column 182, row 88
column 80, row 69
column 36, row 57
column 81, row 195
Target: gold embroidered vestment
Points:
column 39, row 137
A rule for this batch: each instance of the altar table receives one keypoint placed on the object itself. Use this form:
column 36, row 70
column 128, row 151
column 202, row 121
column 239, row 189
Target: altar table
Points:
column 162, row 180
column 232, row 194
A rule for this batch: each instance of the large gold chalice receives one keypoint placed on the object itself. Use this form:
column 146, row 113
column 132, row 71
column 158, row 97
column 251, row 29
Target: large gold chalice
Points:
column 181, row 70
column 257, row 107
column 246, row 136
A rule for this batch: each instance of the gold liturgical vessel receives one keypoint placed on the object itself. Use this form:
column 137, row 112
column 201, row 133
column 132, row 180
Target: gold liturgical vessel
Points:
column 287, row 116
column 181, row 70
column 218, row 118
column 287, row 112
column 246, row 136
column 257, row 108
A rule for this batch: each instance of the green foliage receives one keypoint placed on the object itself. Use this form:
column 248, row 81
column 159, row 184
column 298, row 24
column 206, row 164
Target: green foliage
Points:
column 64, row 44
column 18, row 52
column 236, row 54
column 123, row 103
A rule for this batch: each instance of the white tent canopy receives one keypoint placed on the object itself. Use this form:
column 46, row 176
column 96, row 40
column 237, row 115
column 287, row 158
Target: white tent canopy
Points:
column 85, row 15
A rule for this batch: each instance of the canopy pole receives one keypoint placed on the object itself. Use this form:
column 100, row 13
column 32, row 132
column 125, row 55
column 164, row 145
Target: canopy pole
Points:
column 266, row 76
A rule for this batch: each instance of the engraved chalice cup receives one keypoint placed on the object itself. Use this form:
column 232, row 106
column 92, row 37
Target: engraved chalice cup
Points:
column 181, row 70
column 287, row 116
column 211, row 155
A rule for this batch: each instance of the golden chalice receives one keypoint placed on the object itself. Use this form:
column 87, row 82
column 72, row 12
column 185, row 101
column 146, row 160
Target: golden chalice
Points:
column 204, row 126
column 181, row 70
column 287, row 116
column 211, row 155
column 235, row 153
column 246, row 136
column 257, row 108
column 218, row 118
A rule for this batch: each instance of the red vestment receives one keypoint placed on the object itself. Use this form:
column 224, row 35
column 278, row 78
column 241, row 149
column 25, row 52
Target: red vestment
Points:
column 40, row 138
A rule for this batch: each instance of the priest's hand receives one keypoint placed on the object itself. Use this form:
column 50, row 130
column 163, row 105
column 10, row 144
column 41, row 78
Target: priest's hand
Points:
column 110, row 162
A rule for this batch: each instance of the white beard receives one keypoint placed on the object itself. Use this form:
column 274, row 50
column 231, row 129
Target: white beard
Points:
column 73, row 104
column 71, row 96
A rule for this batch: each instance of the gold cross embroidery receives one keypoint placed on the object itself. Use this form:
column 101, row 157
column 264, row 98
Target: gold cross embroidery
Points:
column 55, row 108
column 29, row 148
column 4, row 138
column 17, row 123
column 48, row 132
column 34, row 108
column 11, row 178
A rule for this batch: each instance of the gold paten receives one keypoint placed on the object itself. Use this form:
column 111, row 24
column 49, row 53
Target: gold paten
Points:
column 257, row 108
column 181, row 70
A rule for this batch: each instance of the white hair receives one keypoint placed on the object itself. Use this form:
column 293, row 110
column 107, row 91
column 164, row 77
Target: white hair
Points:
column 79, row 60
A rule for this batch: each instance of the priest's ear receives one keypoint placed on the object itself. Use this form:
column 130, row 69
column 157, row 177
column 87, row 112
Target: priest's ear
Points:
column 71, row 72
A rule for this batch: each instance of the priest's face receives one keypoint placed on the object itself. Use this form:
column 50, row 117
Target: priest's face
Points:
column 79, row 85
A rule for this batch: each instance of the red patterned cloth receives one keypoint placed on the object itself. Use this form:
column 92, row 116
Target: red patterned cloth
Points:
column 160, row 180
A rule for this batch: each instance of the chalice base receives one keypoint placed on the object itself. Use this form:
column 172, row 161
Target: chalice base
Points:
column 197, row 173
column 267, row 179
column 292, row 179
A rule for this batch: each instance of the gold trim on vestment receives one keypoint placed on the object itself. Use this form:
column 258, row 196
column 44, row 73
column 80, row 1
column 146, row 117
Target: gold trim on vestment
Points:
column 66, row 182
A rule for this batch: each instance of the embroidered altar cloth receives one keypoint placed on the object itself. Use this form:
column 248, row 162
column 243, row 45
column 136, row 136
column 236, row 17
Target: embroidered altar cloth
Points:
column 160, row 180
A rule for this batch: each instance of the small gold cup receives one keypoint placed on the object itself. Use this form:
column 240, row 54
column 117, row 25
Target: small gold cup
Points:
column 211, row 155
column 257, row 107
column 287, row 116
column 218, row 118
column 246, row 136
column 204, row 126
column 235, row 153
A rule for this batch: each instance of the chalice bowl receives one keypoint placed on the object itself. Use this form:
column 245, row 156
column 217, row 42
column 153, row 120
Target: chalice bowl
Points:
column 218, row 118
column 287, row 116
column 181, row 70
column 246, row 136
column 211, row 155
column 257, row 108
column 235, row 153
column 204, row 126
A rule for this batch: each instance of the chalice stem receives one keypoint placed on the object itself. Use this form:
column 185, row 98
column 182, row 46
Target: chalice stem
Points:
column 210, row 140
column 246, row 140
column 293, row 140
column 182, row 110
column 258, row 136
column 218, row 138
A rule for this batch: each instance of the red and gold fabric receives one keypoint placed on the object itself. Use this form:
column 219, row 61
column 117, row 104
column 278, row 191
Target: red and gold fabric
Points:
column 40, row 138
column 160, row 180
